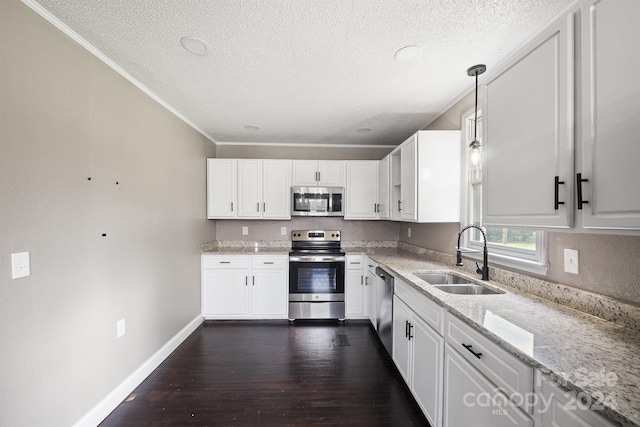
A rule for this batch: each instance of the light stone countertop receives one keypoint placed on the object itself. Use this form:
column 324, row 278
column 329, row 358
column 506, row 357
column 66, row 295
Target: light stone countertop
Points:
column 585, row 353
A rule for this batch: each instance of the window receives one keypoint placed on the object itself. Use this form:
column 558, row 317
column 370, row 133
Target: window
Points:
column 522, row 249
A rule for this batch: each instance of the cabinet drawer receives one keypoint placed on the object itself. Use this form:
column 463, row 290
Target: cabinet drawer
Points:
column 354, row 262
column 225, row 261
column 269, row 261
column 371, row 265
column 501, row 367
column 428, row 310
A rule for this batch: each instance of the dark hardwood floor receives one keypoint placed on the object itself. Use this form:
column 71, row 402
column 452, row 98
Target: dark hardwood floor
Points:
column 240, row 373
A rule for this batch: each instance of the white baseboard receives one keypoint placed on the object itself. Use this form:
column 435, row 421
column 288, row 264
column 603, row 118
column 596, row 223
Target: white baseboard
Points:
column 96, row 415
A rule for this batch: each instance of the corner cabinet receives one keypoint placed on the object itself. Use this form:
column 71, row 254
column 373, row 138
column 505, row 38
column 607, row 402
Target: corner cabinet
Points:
column 258, row 189
column 528, row 141
column 609, row 171
column 244, row 286
column 425, row 178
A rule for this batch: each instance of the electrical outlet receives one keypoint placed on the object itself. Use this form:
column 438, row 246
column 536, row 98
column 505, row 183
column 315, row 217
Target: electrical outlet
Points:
column 571, row 261
column 120, row 327
column 245, row 231
column 408, row 231
column 283, row 231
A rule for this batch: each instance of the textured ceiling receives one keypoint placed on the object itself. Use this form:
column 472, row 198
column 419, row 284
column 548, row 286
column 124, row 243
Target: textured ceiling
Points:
column 305, row 71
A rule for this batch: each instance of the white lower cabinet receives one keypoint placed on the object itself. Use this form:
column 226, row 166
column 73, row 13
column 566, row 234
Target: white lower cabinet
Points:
column 244, row 286
column 470, row 399
column 355, row 298
column 370, row 281
column 418, row 354
column 562, row 408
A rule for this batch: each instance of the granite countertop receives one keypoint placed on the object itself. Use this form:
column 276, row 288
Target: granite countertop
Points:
column 592, row 356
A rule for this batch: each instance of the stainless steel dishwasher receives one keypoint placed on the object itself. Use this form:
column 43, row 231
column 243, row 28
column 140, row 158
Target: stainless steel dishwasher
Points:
column 384, row 318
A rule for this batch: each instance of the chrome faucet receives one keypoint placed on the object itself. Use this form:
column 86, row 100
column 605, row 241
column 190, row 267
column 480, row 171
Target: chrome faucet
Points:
column 485, row 256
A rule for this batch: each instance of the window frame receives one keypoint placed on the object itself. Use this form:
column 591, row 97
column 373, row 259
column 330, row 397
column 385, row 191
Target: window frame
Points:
column 514, row 258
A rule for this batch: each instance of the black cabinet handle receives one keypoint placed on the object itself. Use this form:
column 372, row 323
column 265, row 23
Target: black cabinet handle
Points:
column 406, row 328
column 410, row 328
column 469, row 347
column 557, row 201
column 579, row 181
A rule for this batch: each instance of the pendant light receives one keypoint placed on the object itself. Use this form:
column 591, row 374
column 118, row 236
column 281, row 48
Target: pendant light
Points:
column 476, row 70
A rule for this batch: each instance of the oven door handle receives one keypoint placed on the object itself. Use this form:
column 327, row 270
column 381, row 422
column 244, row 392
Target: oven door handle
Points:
column 316, row 259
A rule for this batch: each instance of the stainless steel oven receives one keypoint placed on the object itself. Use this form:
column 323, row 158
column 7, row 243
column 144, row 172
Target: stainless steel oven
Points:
column 316, row 275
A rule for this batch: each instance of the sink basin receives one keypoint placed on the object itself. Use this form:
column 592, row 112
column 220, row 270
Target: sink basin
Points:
column 454, row 284
column 442, row 278
column 467, row 289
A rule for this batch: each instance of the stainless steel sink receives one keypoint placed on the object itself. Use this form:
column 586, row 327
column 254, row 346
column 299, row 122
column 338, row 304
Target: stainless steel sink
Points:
column 454, row 284
column 467, row 289
column 442, row 278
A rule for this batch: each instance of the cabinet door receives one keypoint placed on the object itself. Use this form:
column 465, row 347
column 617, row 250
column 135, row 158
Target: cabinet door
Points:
column 395, row 185
column 470, row 399
column 269, row 294
column 354, row 294
column 383, row 188
column 249, row 188
column 408, row 158
column 221, row 188
column 331, row 173
column 225, row 293
column 362, row 190
column 426, row 370
column 401, row 322
column 611, row 107
column 305, row 173
column 563, row 408
column 528, row 140
column 276, row 189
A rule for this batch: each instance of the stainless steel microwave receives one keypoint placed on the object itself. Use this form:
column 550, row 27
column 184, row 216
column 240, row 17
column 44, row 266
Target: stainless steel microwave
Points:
column 317, row 201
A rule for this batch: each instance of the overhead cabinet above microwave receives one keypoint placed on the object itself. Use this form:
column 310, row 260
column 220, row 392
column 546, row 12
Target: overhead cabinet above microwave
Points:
column 321, row 173
column 529, row 120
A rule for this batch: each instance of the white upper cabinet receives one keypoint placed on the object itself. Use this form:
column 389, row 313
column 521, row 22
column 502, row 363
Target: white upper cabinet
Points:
column 276, row 189
column 610, row 114
column 425, row 178
column 221, row 188
column 312, row 173
column 248, row 189
column 383, row 187
column 528, row 141
column 362, row 190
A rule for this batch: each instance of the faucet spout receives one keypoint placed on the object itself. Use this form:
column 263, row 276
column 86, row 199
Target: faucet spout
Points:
column 485, row 255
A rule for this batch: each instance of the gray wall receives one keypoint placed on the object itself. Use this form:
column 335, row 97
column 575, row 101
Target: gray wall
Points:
column 65, row 117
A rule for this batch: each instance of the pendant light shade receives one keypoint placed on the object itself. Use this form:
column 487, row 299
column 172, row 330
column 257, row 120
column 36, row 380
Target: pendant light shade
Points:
column 475, row 71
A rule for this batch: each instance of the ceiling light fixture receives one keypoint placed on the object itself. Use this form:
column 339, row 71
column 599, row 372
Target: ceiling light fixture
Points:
column 252, row 128
column 475, row 145
column 363, row 130
column 408, row 53
column 195, row 45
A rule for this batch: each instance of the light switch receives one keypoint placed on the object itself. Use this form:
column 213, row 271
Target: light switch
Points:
column 283, row 231
column 245, row 231
column 20, row 265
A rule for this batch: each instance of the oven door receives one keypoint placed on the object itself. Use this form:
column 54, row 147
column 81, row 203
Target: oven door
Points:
column 317, row 277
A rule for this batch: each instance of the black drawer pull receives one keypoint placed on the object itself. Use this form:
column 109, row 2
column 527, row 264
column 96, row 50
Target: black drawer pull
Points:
column 469, row 347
